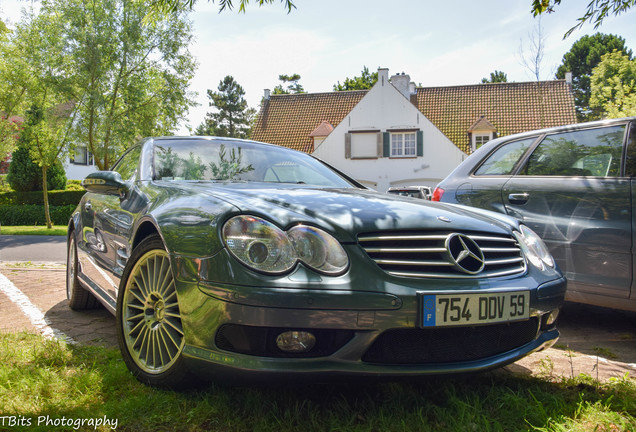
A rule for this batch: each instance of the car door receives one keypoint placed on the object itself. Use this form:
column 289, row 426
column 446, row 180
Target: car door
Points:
column 107, row 227
column 484, row 187
column 572, row 190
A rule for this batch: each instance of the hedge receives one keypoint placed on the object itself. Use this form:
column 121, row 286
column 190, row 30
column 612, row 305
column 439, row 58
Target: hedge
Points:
column 56, row 198
column 34, row 214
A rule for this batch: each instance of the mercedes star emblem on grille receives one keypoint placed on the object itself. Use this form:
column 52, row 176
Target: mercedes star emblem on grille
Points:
column 465, row 255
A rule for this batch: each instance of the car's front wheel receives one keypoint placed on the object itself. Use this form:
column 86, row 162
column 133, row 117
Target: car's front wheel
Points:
column 149, row 325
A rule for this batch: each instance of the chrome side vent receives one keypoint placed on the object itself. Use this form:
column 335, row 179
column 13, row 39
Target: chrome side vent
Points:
column 445, row 254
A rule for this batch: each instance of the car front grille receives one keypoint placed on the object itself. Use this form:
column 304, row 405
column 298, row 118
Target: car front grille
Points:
column 427, row 255
column 449, row 344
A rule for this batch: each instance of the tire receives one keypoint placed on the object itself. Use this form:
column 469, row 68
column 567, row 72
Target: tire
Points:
column 78, row 297
column 149, row 329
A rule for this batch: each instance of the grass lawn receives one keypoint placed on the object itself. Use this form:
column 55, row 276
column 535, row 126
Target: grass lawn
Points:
column 58, row 230
column 44, row 380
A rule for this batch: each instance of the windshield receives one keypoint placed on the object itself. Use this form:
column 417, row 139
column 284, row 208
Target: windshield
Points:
column 228, row 160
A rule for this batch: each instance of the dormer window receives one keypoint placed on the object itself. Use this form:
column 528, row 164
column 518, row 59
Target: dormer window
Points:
column 481, row 132
column 481, row 139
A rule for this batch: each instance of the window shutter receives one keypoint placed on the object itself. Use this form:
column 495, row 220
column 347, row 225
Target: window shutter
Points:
column 386, row 144
column 347, row 146
column 420, row 143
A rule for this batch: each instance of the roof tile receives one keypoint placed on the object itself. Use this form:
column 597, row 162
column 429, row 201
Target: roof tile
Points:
column 510, row 107
column 289, row 120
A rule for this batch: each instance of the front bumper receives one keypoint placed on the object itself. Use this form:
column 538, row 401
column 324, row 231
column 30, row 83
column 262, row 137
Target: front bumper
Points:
column 363, row 317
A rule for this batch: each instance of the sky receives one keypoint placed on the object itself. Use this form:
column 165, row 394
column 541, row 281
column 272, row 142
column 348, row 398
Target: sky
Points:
column 439, row 43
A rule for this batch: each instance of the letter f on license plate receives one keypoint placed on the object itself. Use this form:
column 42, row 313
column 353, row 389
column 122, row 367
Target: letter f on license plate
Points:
column 439, row 310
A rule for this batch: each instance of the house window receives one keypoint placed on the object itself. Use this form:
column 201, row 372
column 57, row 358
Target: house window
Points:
column 364, row 145
column 81, row 156
column 480, row 139
column 403, row 144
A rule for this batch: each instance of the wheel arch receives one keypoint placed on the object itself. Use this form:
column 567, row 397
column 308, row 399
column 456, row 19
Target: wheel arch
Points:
column 145, row 229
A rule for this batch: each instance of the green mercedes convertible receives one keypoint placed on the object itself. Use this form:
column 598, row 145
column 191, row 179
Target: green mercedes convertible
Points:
column 229, row 258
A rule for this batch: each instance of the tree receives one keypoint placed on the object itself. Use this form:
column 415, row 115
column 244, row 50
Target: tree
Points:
column 234, row 117
column 366, row 80
column 613, row 85
column 47, row 130
column 24, row 175
column 495, row 77
column 532, row 58
column 127, row 78
column 581, row 60
column 177, row 5
column 11, row 95
column 291, row 83
column 597, row 10
column 38, row 72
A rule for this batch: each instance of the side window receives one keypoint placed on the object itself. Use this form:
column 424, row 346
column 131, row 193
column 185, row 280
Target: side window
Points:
column 591, row 152
column 128, row 163
column 630, row 157
column 504, row 159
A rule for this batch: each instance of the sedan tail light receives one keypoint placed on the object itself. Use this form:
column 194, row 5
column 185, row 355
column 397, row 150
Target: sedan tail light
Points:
column 437, row 194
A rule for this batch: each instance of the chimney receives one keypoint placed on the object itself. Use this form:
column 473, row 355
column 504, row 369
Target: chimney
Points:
column 402, row 82
column 383, row 75
column 266, row 94
column 568, row 78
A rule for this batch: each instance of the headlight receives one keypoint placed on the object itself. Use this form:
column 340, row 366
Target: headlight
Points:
column 259, row 244
column 534, row 248
column 318, row 249
column 263, row 246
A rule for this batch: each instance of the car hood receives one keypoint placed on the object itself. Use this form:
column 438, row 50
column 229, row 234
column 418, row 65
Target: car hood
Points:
column 349, row 212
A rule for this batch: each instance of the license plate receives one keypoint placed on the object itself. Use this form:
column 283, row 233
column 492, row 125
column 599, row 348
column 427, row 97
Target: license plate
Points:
column 439, row 310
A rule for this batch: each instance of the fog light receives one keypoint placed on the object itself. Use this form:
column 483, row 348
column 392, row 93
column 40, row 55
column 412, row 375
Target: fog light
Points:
column 552, row 317
column 295, row 341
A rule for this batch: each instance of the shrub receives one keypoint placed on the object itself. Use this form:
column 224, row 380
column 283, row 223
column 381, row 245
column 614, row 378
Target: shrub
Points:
column 34, row 214
column 74, row 185
column 56, row 198
column 25, row 175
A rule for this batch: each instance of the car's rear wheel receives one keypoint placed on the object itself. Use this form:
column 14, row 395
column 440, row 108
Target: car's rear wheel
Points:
column 149, row 325
column 78, row 297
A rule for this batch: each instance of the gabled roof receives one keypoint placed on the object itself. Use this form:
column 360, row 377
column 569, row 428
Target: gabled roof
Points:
column 288, row 120
column 482, row 124
column 510, row 107
column 323, row 129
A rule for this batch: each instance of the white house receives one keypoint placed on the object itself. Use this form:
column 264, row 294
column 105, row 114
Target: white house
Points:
column 386, row 141
column 397, row 134
column 79, row 164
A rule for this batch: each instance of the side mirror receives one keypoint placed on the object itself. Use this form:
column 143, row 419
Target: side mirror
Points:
column 106, row 182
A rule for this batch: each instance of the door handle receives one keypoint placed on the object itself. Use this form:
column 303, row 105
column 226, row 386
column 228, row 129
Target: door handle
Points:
column 518, row 198
column 88, row 206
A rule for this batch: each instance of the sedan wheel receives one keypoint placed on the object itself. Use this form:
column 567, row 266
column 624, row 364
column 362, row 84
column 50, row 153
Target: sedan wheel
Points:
column 148, row 317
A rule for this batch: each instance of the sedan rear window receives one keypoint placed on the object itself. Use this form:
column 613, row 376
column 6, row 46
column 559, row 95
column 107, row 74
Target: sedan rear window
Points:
column 504, row 159
column 589, row 152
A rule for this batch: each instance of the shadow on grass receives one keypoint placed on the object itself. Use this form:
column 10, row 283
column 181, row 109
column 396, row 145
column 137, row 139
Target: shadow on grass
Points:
column 47, row 378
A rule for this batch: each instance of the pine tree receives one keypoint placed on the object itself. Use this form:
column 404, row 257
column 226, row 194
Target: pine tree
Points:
column 233, row 117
